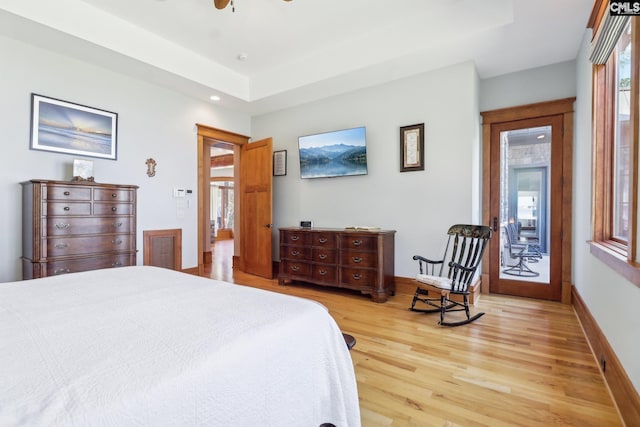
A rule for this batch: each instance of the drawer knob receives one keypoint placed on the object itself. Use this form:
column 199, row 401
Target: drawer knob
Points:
column 66, row 193
column 117, row 224
column 356, row 259
column 322, row 256
column 61, row 225
column 295, row 268
column 356, row 276
column 114, row 195
column 62, row 245
column 113, row 209
column 357, row 242
column 67, row 208
column 61, row 271
column 117, row 242
column 294, row 238
column 323, row 240
column 295, row 253
column 323, row 272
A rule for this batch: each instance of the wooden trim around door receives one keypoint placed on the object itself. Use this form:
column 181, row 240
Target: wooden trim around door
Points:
column 562, row 107
column 207, row 134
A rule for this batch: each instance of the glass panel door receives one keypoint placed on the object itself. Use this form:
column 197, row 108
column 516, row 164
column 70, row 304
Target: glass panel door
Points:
column 526, row 205
column 525, row 163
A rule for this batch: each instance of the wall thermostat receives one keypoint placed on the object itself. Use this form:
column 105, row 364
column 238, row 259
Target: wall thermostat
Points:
column 306, row 224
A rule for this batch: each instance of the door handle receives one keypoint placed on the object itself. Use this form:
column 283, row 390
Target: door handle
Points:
column 268, row 225
column 495, row 223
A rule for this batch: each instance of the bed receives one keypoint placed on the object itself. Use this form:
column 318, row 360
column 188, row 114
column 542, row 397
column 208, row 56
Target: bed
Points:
column 147, row 346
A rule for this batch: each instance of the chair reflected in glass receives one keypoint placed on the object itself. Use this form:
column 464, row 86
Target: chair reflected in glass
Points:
column 522, row 250
column 462, row 257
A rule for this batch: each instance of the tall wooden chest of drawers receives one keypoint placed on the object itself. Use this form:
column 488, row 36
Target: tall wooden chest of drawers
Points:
column 359, row 260
column 70, row 226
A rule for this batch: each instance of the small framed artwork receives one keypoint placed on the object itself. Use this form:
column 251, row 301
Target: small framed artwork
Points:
column 280, row 163
column 82, row 170
column 412, row 148
column 64, row 127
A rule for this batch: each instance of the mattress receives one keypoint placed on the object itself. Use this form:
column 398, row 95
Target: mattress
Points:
column 146, row 346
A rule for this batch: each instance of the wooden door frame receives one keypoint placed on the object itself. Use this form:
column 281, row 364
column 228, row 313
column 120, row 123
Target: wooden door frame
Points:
column 206, row 133
column 562, row 107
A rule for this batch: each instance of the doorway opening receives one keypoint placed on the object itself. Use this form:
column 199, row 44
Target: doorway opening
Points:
column 222, row 209
column 218, row 157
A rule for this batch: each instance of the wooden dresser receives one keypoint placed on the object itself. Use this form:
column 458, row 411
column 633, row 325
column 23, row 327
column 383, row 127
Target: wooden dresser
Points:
column 359, row 260
column 70, row 226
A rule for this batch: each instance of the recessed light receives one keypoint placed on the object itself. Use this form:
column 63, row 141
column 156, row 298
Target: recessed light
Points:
column 214, row 98
column 541, row 136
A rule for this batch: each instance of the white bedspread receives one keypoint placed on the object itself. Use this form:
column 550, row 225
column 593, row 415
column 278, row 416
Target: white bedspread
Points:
column 144, row 346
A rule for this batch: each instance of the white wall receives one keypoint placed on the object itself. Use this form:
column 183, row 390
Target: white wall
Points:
column 555, row 81
column 152, row 122
column 420, row 205
column 611, row 299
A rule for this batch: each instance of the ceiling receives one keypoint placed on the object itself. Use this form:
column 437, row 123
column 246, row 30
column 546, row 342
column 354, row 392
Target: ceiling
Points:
column 298, row 51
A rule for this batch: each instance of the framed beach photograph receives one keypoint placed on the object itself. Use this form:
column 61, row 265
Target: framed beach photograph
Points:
column 65, row 127
column 412, row 148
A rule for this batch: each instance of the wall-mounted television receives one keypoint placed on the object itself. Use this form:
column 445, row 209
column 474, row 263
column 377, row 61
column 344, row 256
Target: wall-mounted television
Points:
column 330, row 154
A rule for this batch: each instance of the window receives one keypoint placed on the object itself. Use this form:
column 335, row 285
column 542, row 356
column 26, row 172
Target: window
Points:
column 620, row 61
column 615, row 136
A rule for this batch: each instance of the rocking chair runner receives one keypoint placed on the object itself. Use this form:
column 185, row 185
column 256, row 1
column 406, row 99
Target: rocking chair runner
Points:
column 465, row 247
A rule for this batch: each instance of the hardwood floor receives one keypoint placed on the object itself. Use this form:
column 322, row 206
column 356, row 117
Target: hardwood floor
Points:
column 525, row 363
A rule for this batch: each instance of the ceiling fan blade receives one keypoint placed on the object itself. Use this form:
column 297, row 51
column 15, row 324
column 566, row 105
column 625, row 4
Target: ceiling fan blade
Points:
column 220, row 4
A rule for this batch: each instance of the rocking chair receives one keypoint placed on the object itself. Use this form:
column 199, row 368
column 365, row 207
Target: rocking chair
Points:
column 465, row 247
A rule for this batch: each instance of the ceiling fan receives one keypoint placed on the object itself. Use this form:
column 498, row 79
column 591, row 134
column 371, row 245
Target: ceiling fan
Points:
column 221, row 4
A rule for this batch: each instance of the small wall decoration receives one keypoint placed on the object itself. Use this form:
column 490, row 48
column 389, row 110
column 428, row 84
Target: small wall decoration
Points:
column 280, row 163
column 82, row 170
column 412, row 148
column 65, row 127
column 151, row 167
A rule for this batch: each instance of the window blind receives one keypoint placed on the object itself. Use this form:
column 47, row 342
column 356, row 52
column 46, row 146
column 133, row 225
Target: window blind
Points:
column 606, row 37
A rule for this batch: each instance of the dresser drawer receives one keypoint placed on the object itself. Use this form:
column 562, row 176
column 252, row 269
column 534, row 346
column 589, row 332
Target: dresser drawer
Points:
column 67, row 193
column 359, row 259
column 66, row 246
column 358, row 241
column 296, row 268
column 325, row 273
column 355, row 277
column 326, row 256
column 71, row 208
column 298, row 238
column 55, row 268
column 294, row 252
column 112, row 209
column 323, row 239
column 53, row 226
column 105, row 194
